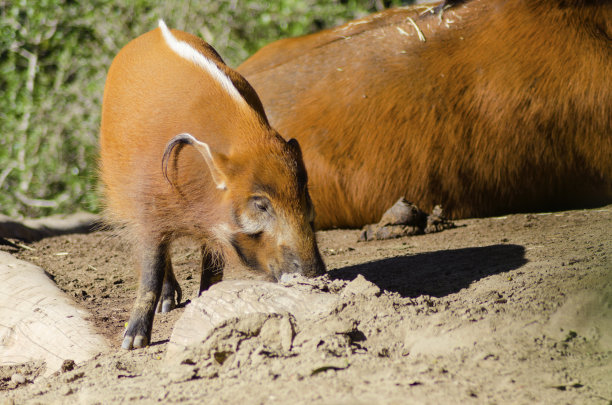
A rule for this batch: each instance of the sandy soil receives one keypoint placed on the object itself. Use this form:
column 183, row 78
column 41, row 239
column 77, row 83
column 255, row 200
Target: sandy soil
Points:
column 516, row 309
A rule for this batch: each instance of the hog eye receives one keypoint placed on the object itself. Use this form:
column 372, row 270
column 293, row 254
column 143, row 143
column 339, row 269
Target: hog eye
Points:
column 255, row 236
column 261, row 204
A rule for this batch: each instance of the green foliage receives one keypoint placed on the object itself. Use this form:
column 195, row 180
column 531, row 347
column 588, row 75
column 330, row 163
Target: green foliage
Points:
column 53, row 60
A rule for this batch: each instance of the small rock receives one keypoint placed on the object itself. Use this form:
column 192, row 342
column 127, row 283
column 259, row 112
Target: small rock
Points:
column 209, row 372
column 68, row 365
column 271, row 336
column 18, row 379
column 183, row 374
column 335, row 366
column 73, row 377
column 361, row 286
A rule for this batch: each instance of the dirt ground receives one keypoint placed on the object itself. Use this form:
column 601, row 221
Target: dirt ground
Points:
column 515, row 309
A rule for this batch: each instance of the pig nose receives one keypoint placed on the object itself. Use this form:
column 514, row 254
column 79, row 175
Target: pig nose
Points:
column 311, row 266
column 293, row 264
column 314, row 266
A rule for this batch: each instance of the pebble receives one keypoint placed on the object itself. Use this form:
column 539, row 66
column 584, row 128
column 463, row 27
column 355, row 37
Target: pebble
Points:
column 361, row 286
column 68, row 365
column 18, row 378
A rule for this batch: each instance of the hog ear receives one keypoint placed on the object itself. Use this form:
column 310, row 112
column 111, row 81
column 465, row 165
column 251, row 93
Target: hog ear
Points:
column 295, row 146
column 216, row 162
column 301, row 170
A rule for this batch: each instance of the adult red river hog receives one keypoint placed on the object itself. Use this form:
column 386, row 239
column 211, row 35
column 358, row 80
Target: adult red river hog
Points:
column 240, row 190
column 484, row 106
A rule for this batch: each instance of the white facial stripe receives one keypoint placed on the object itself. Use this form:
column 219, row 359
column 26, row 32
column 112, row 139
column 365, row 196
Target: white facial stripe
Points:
column 186, row 51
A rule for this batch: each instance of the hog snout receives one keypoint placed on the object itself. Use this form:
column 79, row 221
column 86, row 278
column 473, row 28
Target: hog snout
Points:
column 310, row 266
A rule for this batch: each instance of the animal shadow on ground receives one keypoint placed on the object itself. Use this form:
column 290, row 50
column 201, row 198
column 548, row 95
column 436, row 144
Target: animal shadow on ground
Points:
column 436, row 273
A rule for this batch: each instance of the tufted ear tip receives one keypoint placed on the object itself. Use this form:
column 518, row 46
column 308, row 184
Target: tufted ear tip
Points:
column 295, row 146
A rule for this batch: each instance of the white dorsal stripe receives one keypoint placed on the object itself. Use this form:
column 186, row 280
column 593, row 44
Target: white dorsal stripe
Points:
column 186, row 51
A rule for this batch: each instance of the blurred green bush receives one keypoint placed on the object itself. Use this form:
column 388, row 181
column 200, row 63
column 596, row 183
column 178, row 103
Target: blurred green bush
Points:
column 53, row 60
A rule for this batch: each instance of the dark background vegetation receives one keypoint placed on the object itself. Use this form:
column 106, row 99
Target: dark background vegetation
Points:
column 53, row 60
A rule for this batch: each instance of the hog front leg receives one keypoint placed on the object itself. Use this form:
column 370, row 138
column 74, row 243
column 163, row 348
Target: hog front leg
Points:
column 154, row 261
column 169, row 289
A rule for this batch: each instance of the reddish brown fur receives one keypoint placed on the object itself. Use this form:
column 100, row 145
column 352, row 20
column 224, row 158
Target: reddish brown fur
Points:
column 151, row 96
column 506, row 107
column 139, row 117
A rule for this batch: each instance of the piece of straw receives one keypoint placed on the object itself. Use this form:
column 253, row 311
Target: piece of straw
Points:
column 418, row 30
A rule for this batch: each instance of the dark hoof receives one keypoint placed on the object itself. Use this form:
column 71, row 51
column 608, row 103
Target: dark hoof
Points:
column 166, row 305
column 404, row 212
column 405, row 219
column 131, row 342
column 170, row 290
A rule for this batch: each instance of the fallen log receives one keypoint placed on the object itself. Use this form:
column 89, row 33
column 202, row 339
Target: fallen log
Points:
column 38, row 321
column 31, row 230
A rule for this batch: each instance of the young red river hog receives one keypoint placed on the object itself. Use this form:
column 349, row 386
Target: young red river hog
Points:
column 239, row 189
column 484, row 106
